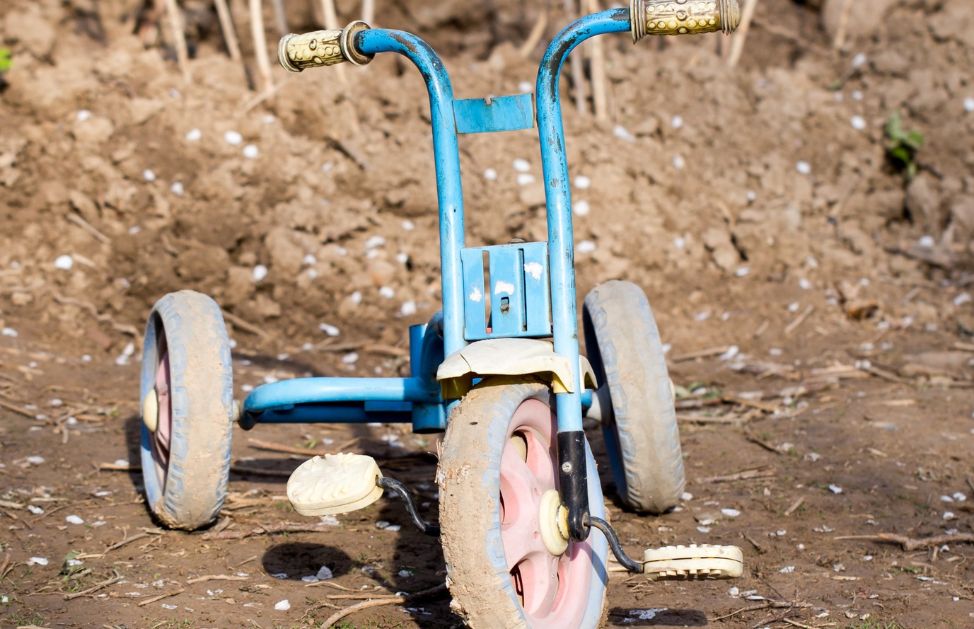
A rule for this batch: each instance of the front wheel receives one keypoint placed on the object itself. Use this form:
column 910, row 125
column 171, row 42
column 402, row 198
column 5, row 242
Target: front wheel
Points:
column 496, row 476
column 187, row 410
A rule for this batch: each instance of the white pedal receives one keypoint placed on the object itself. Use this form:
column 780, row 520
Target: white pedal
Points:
column 685, row 563
column 333, row 484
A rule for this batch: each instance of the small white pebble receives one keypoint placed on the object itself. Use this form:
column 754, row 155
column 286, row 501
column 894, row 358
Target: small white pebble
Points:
column 12, row 333
column 194, row 135
column 582, row 182
column 387, row 292
column 581, row 208
column 73, row 519
column 804, row 284
column 268, row 119
column 734, row 592
column 521, row 165
column 35, row 509
column 787, row 570
column 324, row 573
column 525, row 179
column 963, row 298
column 680, row 242
column 251, row 151
column 742, row 271
column 490, row 174
column 177, row 188
column 969, row 105
column 37, row 561
column 405, row 573
column 686, row 496
column 751, row 196
column 408, row 308
column 677, row 122
column 83, row 115
column 381, row 524
column 949, row 515
column 703, row 529
column 586, row 246
column 623, row 133
column 282, row 606
column 233, row 138
column 149, row 175
column 679, row 162
column 64, row 262
column 859, row 60
column 329, row 329
column 858, row 123
column 927, row 241
column 803, row 168
column 35, row 460
column 835, row 489
column 309, row 260
column 260, row 272
column 730, row 513
column 525, row 87
column 857, row 95
column 350, row 359
column 374, row 242
column 329, row 520
column 408, row 225
column 959, row 497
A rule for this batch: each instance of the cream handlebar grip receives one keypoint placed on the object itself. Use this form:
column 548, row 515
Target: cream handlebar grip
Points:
column 322, row 48
column 683, row 17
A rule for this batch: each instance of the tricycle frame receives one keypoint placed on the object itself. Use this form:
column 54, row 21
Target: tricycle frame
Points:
column 418, row 398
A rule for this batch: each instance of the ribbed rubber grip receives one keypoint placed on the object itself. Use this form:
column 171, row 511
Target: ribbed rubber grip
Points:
column 683, row 17
column 321, row 48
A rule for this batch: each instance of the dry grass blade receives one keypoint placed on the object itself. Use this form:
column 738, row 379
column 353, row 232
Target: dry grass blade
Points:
column 179, row 39
column 260, row 45
column 758, row 472
column 275, row 529
column 740, row 37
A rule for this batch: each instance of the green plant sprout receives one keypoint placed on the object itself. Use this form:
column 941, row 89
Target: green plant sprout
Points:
column 902, row 146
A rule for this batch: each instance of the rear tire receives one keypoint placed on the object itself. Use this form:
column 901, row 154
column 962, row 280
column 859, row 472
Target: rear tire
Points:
column 186, row 363
column 641, row 435
column 480, row 527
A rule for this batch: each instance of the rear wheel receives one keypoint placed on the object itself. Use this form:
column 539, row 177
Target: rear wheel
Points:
column 187, row 410
column 641, row 433
column 497, row 474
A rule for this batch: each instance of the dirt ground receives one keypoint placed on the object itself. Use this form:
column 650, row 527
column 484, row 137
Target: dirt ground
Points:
column 816, row 301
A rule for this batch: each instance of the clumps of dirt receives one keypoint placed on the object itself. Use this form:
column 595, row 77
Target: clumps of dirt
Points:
column 316, row 205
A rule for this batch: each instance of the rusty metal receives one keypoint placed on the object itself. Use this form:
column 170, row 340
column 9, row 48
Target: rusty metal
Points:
column 322, row 48
column 683, row 17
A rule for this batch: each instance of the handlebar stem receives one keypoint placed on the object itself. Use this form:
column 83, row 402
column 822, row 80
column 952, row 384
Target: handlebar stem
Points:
column 554, row 161
column 449, row 190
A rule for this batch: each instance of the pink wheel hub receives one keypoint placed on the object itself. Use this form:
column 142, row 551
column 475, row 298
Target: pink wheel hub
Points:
column 553, row 589
column 162, row 436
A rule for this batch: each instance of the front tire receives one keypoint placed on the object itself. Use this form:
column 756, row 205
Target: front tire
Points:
column 499, row 457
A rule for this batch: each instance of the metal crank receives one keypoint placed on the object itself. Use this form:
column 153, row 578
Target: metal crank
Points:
column 342, row 483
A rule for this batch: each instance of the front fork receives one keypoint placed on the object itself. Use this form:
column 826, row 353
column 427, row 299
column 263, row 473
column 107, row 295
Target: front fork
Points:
column 573, row 477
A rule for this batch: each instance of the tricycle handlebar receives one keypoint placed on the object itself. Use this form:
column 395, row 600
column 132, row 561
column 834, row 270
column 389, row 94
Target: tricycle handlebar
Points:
column 682, row 17
column 322, row 48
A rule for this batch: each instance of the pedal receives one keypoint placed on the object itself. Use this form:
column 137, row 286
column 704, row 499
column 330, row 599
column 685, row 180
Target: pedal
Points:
column 334, row 484
column 689, row 563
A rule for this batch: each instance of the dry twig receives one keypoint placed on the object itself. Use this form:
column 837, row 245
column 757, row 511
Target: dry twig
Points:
column 274, row 529
column 334, row 618
column 216, row 577
column 149, row 601
column 910, row 544
column 94, row 588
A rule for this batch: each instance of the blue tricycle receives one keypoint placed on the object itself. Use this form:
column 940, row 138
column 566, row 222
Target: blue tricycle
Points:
column 522, row 519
